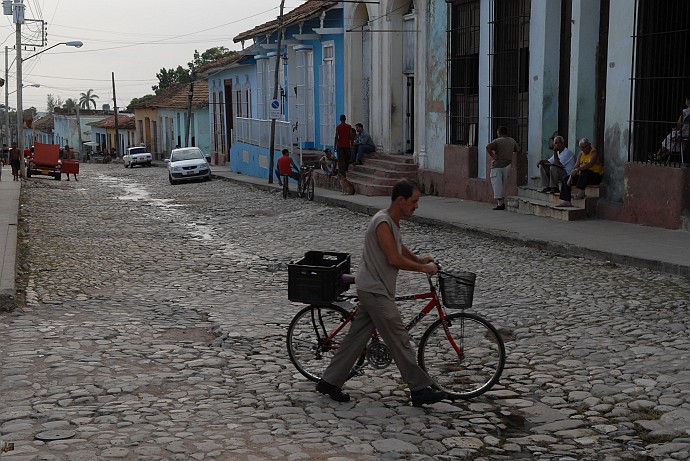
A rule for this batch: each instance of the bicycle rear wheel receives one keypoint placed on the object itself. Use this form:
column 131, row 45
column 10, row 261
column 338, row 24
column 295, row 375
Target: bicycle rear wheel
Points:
column 286, row 187
column 310, row 188
column 308, row 345
column 471, row 369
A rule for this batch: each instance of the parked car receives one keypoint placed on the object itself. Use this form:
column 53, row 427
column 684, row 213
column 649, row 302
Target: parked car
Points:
column 137, row 156
column 188, row 163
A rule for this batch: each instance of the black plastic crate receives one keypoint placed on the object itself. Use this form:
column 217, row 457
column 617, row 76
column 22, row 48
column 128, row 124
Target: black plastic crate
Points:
column 316, row 277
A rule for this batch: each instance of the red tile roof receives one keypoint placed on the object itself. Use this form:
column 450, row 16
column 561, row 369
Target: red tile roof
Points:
column 308, row 9
column 45, row 123
column 176, row 96
column 123, row 121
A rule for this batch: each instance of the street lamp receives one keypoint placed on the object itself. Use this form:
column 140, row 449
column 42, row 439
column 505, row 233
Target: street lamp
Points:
column 20, row 85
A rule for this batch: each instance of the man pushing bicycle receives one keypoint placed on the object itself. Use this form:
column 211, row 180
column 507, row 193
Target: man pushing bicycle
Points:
column 382, row 256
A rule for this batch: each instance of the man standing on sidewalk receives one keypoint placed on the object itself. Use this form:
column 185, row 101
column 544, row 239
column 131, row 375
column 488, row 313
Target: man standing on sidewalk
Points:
column 343, row 144
column 382, row 256
column 501, row 152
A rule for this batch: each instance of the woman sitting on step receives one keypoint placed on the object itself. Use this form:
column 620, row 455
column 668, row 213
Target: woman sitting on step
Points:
column 588, row 171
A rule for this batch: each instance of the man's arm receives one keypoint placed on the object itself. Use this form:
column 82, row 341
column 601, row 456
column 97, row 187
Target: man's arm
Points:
column 405, row 261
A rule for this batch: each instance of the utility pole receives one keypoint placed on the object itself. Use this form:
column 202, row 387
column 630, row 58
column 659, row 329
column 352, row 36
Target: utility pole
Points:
column 117, row 125
column 190, row 95
column 18, row 17
column 8, row 131
column 275, row 94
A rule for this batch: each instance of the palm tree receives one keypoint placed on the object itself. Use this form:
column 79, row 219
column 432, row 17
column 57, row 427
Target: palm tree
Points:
column 85, row 99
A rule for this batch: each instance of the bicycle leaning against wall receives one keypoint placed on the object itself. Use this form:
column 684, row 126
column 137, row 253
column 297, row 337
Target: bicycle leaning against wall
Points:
column 462, row 353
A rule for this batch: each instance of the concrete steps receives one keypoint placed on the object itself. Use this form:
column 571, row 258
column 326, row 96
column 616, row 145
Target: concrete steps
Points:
column 530, row 200
column 375, row 176
column 379, row 172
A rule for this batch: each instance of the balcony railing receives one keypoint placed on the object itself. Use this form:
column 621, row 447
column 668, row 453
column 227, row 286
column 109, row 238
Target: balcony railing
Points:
column 258, row 132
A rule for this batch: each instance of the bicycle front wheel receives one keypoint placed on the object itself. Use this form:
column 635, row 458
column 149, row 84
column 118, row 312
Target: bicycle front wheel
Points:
column 310, row 341
column 310, row 188
column 463, row 356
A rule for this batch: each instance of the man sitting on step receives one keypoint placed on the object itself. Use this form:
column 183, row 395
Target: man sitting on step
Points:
column 557, row 167
column 589, row 170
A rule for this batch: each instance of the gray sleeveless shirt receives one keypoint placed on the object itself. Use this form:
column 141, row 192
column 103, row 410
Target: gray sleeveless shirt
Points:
column 375, row 275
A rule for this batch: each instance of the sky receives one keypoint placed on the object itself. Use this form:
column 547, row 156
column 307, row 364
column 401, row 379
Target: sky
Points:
column 132, row 38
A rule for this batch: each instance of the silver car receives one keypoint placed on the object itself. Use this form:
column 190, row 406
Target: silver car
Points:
column 188, row 163
column 137, row 156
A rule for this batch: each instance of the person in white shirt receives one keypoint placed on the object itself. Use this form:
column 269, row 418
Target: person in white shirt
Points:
column 557, row 167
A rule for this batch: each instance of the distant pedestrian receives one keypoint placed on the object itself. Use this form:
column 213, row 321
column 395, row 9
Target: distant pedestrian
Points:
column 15, row 156
column 501, row 152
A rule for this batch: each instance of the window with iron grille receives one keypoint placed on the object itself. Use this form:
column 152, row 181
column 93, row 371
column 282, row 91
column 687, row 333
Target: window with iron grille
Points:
column 463, row 72
column 509, row 67
column 660, row 76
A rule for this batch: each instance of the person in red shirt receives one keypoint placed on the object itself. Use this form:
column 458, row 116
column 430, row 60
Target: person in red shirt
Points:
column 285, row 167
column 343, row 144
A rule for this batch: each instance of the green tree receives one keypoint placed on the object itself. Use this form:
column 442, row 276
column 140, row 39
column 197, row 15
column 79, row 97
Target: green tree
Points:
column 136, row 101
column 52, row 102
column 85, row 99
column 70, row 104
column 169, row 77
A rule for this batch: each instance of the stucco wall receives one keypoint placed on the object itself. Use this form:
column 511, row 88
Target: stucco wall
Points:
column 618, row 89
column 436, row 78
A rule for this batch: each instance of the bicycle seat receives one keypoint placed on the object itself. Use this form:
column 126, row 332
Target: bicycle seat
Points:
column 348, row 278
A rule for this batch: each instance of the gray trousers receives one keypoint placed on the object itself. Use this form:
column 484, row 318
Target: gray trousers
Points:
column 377, row 311
column 551, row 176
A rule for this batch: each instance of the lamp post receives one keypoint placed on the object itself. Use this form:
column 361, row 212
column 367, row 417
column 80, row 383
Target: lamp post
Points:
column 20, row 85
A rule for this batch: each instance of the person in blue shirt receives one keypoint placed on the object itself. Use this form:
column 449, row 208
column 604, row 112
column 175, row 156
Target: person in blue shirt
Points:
column 557, row 167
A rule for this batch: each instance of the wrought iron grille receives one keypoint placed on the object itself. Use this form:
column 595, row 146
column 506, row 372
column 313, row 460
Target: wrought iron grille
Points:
column 509, row 67
column 660, row 76
column 463, row 72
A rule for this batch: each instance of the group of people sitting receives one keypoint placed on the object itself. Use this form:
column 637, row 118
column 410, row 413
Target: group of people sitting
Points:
column 564, row 170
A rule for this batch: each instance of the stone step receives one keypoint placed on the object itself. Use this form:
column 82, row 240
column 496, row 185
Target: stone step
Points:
column 398, row 158
column 369, row 169
column 364, row 178
column 591, row 191
column 390, row 165
column 591, row 195
column 543, row 208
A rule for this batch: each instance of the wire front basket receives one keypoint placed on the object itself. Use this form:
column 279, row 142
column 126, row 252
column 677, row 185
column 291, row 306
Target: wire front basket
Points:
column 457, row 289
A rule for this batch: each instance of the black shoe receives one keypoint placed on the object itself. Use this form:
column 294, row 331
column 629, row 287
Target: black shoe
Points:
column 500, row 207
column 333, row 392
column 427, row 396
column 280, row 183
column 546, row 190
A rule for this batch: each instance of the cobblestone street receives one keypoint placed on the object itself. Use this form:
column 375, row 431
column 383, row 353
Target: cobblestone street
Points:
column 155, row 319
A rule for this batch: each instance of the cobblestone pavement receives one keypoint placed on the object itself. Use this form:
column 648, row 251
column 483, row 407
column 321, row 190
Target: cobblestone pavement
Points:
column 155, row 320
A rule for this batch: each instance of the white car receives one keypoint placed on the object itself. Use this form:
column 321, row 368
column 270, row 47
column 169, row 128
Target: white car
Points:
column 136, row 156
column 188, row 163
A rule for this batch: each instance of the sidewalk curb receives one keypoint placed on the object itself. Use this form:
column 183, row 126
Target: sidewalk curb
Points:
column 496, row 234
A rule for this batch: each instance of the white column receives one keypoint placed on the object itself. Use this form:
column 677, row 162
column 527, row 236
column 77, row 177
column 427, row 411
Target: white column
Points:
column 422, row 8
column 483, row 132
column 544, row 47
column 584, row 40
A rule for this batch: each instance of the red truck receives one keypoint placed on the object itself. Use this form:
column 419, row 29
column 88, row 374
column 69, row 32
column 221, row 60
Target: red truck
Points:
column 45, row 160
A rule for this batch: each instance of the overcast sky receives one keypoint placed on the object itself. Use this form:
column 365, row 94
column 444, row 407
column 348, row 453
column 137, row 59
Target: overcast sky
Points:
column 133, row 38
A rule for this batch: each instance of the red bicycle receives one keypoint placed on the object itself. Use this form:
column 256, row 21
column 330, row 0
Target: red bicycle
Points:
column 461, row 352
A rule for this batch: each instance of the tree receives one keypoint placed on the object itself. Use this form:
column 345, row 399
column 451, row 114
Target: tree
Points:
column 52, row 102
column 136, row 101
column 169, row 77
column 70, row 104
column 85, row 99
